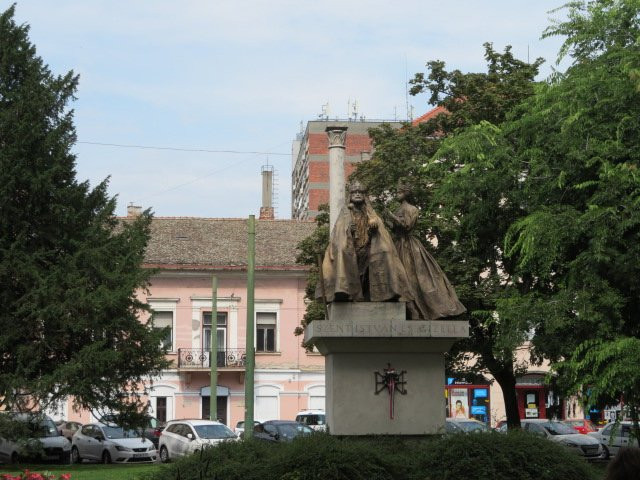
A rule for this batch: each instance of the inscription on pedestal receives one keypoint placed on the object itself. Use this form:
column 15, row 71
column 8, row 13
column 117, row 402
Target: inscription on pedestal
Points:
column 398, row 328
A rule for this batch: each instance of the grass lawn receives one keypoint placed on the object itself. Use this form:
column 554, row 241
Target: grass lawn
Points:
column 86, row 471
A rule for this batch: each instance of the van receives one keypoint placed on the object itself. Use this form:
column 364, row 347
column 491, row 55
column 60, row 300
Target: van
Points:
column 53, row 445
column 315, row 419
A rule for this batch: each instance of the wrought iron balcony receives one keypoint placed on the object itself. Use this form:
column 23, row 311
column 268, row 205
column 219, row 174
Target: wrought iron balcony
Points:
column 199, row 358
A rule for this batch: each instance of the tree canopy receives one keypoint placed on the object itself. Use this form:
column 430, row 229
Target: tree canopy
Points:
column 466, row 201
column 580, row 190
column 529, row 191
column 529, row 194
column 69, row 270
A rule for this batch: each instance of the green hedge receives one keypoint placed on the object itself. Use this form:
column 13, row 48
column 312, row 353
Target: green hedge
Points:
column 490, row 456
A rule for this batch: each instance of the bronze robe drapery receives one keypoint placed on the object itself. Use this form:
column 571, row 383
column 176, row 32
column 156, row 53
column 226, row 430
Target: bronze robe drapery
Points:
column 433, row 295
column 387, row 279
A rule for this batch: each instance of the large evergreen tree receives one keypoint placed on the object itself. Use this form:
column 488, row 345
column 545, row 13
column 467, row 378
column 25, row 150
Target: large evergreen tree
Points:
column 69, row 271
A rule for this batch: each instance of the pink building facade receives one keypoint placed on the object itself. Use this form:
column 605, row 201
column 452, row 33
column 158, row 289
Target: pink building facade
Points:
column 185, row 253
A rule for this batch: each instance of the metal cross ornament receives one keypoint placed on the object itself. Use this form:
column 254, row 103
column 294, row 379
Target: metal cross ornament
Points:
column 393, row 382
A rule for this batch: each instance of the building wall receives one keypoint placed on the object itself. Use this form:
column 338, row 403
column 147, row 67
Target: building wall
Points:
column 286, row 378
column 310, row 174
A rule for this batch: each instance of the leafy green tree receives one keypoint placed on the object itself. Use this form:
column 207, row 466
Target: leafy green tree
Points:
column 69, row 271
column 467, row 203
column 580, row 238
column 311, row 250
column 605, row 372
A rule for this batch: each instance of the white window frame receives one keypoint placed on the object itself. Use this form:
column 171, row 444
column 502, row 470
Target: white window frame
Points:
column 167, row 305
column 267, row 306
column 167, row 391
column 224, row 330
column 225, row 304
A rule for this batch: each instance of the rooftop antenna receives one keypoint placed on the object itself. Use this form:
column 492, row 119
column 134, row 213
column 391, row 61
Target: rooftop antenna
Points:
column 325, row 112
column 354, row 111
column 406, row 86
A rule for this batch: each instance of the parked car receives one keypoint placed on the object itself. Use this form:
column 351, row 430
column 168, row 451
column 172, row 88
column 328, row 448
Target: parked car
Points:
column 615, row 436
column 581, row 425
column 52, row 445
column 280, row 430
column 558, row 432
column 464, row 425
column 315, row 419
column 239, row 429
column 151, row 431
column 110, row 443
column 68, row 429
column 185, row 437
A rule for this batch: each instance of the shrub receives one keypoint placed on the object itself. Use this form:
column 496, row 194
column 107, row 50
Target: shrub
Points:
column 476, row 456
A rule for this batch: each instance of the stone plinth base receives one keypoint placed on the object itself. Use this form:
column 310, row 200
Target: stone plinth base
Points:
column 362, row 338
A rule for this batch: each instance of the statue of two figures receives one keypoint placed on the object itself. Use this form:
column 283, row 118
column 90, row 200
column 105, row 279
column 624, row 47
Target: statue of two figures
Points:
column 364, row 263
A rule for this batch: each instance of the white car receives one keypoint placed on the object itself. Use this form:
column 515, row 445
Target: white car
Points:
column 239, row 430
column 558, row 432
column 110, row 443
column 315, row 419
column 185, row 437
column 42, row 430
column 614, row 436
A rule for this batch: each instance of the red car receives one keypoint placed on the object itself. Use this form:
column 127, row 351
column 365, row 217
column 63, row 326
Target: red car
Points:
column 581, row 425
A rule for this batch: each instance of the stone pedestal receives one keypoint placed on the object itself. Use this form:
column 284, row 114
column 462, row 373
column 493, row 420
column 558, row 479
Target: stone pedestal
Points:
column 362, row 338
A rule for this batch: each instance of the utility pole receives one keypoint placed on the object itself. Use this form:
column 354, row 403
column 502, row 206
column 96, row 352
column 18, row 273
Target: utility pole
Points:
column 250, row 359
column 213, row 354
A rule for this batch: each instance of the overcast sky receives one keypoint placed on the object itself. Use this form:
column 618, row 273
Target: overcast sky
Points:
column 244, row 76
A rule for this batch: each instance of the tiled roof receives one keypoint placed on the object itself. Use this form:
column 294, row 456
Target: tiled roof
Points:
column 434, row 112
column 221, row 243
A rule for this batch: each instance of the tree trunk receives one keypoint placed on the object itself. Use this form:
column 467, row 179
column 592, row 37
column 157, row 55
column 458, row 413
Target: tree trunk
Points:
column 636, row 426
column 507, row 381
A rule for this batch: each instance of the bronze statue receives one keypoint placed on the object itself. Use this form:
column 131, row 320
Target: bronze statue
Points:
column 433, row 296
column 361, row 262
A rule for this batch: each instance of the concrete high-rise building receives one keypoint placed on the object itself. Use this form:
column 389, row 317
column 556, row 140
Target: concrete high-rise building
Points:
column 310, row 169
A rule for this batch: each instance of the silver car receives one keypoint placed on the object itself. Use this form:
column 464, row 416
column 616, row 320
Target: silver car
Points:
column 110, row 443
column 41, row 430
column 558, row 432
column 185, row 437
column 614, row 436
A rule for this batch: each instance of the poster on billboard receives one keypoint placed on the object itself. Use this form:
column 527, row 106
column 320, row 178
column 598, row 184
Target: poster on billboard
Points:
column 459, row 403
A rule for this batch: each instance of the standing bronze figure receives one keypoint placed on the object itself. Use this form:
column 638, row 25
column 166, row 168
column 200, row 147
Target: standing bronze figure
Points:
column 361, row 262
column 432, row 293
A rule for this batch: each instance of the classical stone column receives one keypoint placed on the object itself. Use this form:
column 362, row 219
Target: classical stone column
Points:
column 337, row 136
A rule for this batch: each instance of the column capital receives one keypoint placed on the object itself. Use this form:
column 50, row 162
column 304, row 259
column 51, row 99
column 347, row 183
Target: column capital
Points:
column 337, row 136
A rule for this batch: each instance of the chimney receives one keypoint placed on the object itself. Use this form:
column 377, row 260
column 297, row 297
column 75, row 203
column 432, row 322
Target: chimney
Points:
column 266, row 210
column 133, row 210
